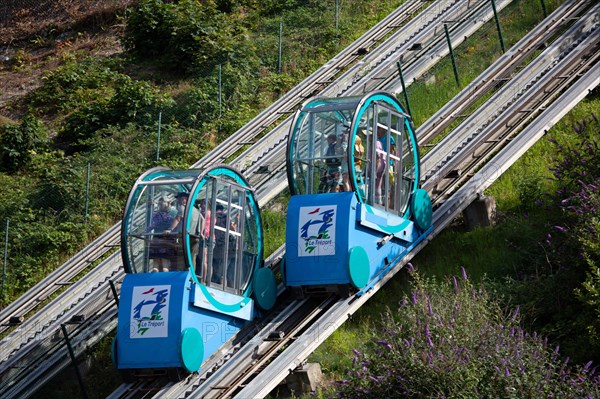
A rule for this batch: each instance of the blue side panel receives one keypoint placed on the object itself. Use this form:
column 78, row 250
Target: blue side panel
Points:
column 317, row 232
column 149, row 321
column 321, row 229
column 154, row 310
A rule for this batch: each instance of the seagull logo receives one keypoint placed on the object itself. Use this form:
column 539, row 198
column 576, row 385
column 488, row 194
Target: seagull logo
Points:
column 316, row 228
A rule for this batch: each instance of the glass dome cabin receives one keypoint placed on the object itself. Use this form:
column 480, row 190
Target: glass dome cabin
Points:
column 192, row 248
column 365, row 144
column 356, row 209
column 204, row 221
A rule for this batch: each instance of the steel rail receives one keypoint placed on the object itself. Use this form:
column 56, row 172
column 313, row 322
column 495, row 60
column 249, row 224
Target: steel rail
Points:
column 59, row 277
column 421, row 28
column 269, row 175
column 515, row 101
column 309, row 86
column 500, row 71
column 521, row 113
column 429, row 47
column 31, row 332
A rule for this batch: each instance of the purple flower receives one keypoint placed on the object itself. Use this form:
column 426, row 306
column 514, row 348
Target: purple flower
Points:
column 413, row 297
column 429, row 308
column 560, row 228
column 385, row 344
column 428, row 336
column 464, row 273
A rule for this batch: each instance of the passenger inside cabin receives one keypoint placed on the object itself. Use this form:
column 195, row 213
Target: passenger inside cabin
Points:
column 205, row 241
column 382, row 141
column 359, row 154
column 219, row 249
column 343, row 153
column 176, row 225
column 332, row 180
column 379, row 171
column 233, row 249
column 161, row 249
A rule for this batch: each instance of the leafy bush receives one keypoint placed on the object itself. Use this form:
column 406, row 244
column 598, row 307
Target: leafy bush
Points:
column 18, row 143
column 452, row 340
column 577, row 238
column 185, row 36
column 132, row 101
column 73, row 85
column 557, row 284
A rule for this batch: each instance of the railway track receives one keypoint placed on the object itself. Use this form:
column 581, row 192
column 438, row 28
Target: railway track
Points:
column 264, row 163
column 297, row 351
column 83, row 332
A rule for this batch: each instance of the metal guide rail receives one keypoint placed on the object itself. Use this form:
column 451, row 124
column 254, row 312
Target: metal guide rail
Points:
column 263, row 160
column 26, row 358
column 517, row 102
column 499, row 73
column 313, row 84
column 62, row 275
column 269, row 174
column 17, row 347
column 427, row 46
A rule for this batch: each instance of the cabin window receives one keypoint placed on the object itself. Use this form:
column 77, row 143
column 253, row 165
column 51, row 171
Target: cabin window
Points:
column 320, row 155
column 228, row 246
column 374, row 157
column 388, row 166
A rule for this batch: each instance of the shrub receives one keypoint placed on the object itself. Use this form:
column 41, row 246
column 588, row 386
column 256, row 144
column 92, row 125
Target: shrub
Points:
column 577, row 238
column 452, row 340
column 185, row 36
column 73, row 85
column 132, row 101
column 18, row 143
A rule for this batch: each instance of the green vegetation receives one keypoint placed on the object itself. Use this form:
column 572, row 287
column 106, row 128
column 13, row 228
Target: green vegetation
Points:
column 452, row 340
column 104, row 111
